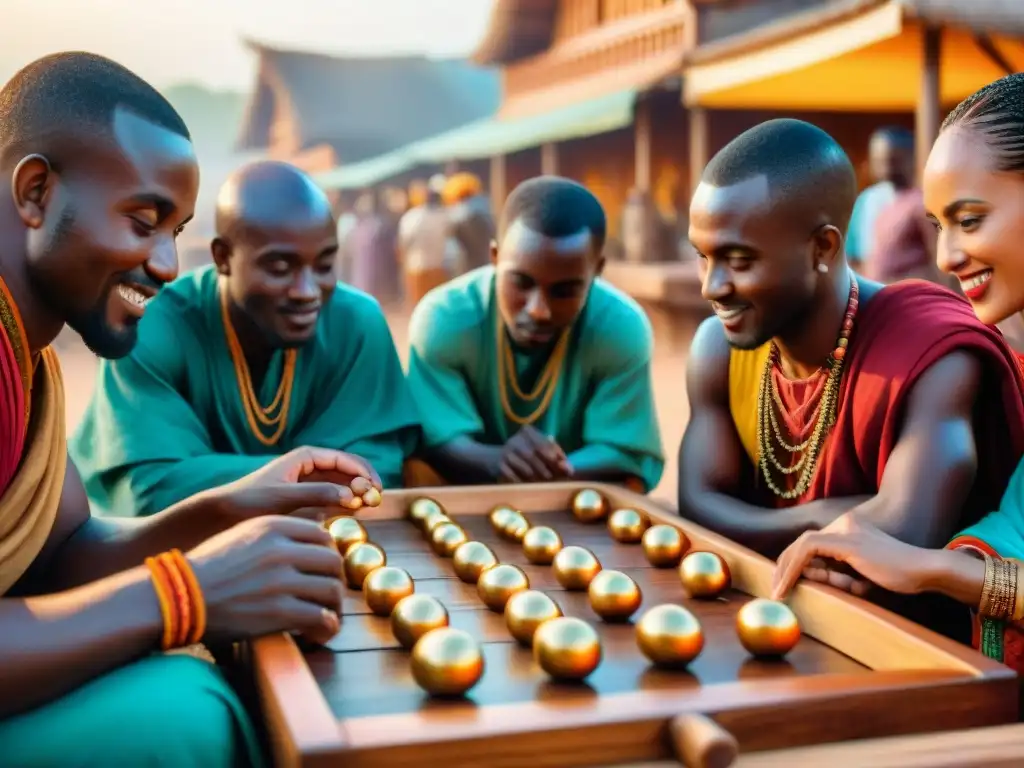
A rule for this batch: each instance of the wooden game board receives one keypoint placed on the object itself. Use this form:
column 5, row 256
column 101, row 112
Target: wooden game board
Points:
column 858, row 672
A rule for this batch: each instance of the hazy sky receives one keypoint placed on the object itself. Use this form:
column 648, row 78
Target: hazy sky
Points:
column 200, row 40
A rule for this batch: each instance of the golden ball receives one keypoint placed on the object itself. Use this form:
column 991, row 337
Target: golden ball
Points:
column 384, row 587
column 614, row 596
column 346, row 531
column 416, row 615
column 627, row 526
column 704, row 574
column 575, row 567
column 526, row 611
column 496, row 585
column 500, row 517
column 360, row 561
column 421, row 508
column 589, row 506
column 432, row 521
column 664, row 545
column 567, row 648
column 372, row 498
column 767, row 628
column 446, row 538
column 516, row 527
column 541, row 544
column 471, row 559
column 447, row 662
column 670, row 636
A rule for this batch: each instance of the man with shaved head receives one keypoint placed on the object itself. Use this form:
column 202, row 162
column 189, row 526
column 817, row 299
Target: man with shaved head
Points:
column 816, row 393
column 246, row 359
column 533, row 369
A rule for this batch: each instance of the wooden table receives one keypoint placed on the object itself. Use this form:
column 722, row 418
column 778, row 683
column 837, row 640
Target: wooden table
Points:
column 858, row 672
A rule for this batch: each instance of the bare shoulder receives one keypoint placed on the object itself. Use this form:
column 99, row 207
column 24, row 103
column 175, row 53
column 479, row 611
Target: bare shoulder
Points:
column 949, row 387
column 707, row 366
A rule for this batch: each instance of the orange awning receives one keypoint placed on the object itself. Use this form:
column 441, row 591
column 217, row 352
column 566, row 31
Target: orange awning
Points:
column 868, row 61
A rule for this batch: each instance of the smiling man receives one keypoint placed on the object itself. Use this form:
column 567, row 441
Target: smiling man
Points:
column 534, row 369
column 816, row 393
column 242, row 361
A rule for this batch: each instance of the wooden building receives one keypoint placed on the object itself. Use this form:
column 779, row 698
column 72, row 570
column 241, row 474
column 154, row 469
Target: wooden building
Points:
column 915, row 58
column 321, row 111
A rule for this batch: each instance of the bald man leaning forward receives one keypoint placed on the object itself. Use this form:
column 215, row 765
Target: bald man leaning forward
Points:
column 246, row 359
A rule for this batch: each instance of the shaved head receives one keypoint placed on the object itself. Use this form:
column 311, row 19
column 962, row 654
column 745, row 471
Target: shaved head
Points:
column 269, row 195
column 807, row 174
column 276, row 245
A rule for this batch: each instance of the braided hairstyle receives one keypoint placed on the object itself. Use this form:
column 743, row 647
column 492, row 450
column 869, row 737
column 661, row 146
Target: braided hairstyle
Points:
column 997, row 113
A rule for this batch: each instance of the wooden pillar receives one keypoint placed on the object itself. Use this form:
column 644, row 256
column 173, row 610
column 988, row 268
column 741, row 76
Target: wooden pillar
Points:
column 929, row 100
column 499, row 188
column 642, row 145
column 549, row 159
column 700, row 146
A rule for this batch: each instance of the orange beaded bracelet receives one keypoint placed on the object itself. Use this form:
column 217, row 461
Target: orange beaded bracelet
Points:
column 182, row 599
column 165, row 596
column 195, row 594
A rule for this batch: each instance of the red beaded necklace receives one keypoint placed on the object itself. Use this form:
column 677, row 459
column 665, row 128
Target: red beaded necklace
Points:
column 804, row 455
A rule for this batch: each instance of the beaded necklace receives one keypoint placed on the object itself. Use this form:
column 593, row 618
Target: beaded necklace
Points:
column 808, row 451
column 256, row 415
column 546, row 384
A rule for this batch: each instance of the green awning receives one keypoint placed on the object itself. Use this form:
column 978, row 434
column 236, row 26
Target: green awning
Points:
column 490, row 137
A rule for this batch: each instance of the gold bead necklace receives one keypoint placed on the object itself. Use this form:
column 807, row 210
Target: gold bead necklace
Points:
column 257, row 415
column 824, row 415
column 546, row 384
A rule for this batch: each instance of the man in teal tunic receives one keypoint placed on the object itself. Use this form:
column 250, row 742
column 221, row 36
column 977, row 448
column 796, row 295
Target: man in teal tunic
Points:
column 534, row 369
column 246, row 359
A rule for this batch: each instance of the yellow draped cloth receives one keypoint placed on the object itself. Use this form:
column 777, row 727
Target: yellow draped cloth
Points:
column 746, row 367
column 28, row 507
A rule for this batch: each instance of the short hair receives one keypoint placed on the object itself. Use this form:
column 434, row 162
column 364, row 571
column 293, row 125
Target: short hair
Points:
column 997, row 113
column 556, row 207
column 71, row 93
column 801, row 163
column 895, row 135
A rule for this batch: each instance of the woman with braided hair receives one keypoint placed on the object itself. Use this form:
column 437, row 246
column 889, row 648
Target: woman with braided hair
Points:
column 974, row 193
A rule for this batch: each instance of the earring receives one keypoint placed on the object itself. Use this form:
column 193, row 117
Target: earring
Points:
column 823, row 268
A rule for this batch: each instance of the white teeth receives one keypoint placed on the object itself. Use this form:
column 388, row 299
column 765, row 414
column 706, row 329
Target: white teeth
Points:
column 132, row 296
column 977, row 281
column 728, row 314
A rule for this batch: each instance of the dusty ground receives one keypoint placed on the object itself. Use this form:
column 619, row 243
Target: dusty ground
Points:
column 669, row 369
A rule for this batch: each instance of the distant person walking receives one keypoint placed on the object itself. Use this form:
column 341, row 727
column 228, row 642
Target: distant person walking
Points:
column 425, row 245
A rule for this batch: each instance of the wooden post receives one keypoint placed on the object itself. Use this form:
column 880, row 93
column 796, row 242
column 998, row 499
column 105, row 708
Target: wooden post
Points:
column 700, row 146
column 642, row 145
column 549, row 159
column 929, row 100
column 498, row 184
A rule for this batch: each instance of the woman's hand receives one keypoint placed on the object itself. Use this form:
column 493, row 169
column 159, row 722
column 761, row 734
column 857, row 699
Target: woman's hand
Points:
column 873, row 554
column 310, row 482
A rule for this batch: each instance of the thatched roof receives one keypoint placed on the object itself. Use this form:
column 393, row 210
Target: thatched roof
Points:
column 364, row 107
column 516, row 30
column 1005, row 17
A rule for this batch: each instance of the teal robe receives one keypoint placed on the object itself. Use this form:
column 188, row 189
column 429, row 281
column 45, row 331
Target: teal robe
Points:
column 602, row 413
column 165, row 711
column 167, row 421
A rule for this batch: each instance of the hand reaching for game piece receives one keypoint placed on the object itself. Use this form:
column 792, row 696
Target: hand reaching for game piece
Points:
column 530, row 457
column 873, row 554
column 269, row 574
column 309, row 482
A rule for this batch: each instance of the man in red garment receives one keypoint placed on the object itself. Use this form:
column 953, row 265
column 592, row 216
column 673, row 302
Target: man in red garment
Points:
column 816, row 393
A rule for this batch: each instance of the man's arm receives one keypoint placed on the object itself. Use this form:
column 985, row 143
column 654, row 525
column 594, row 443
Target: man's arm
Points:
column 931, row 469
column 712, row 461
column 82, row 548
